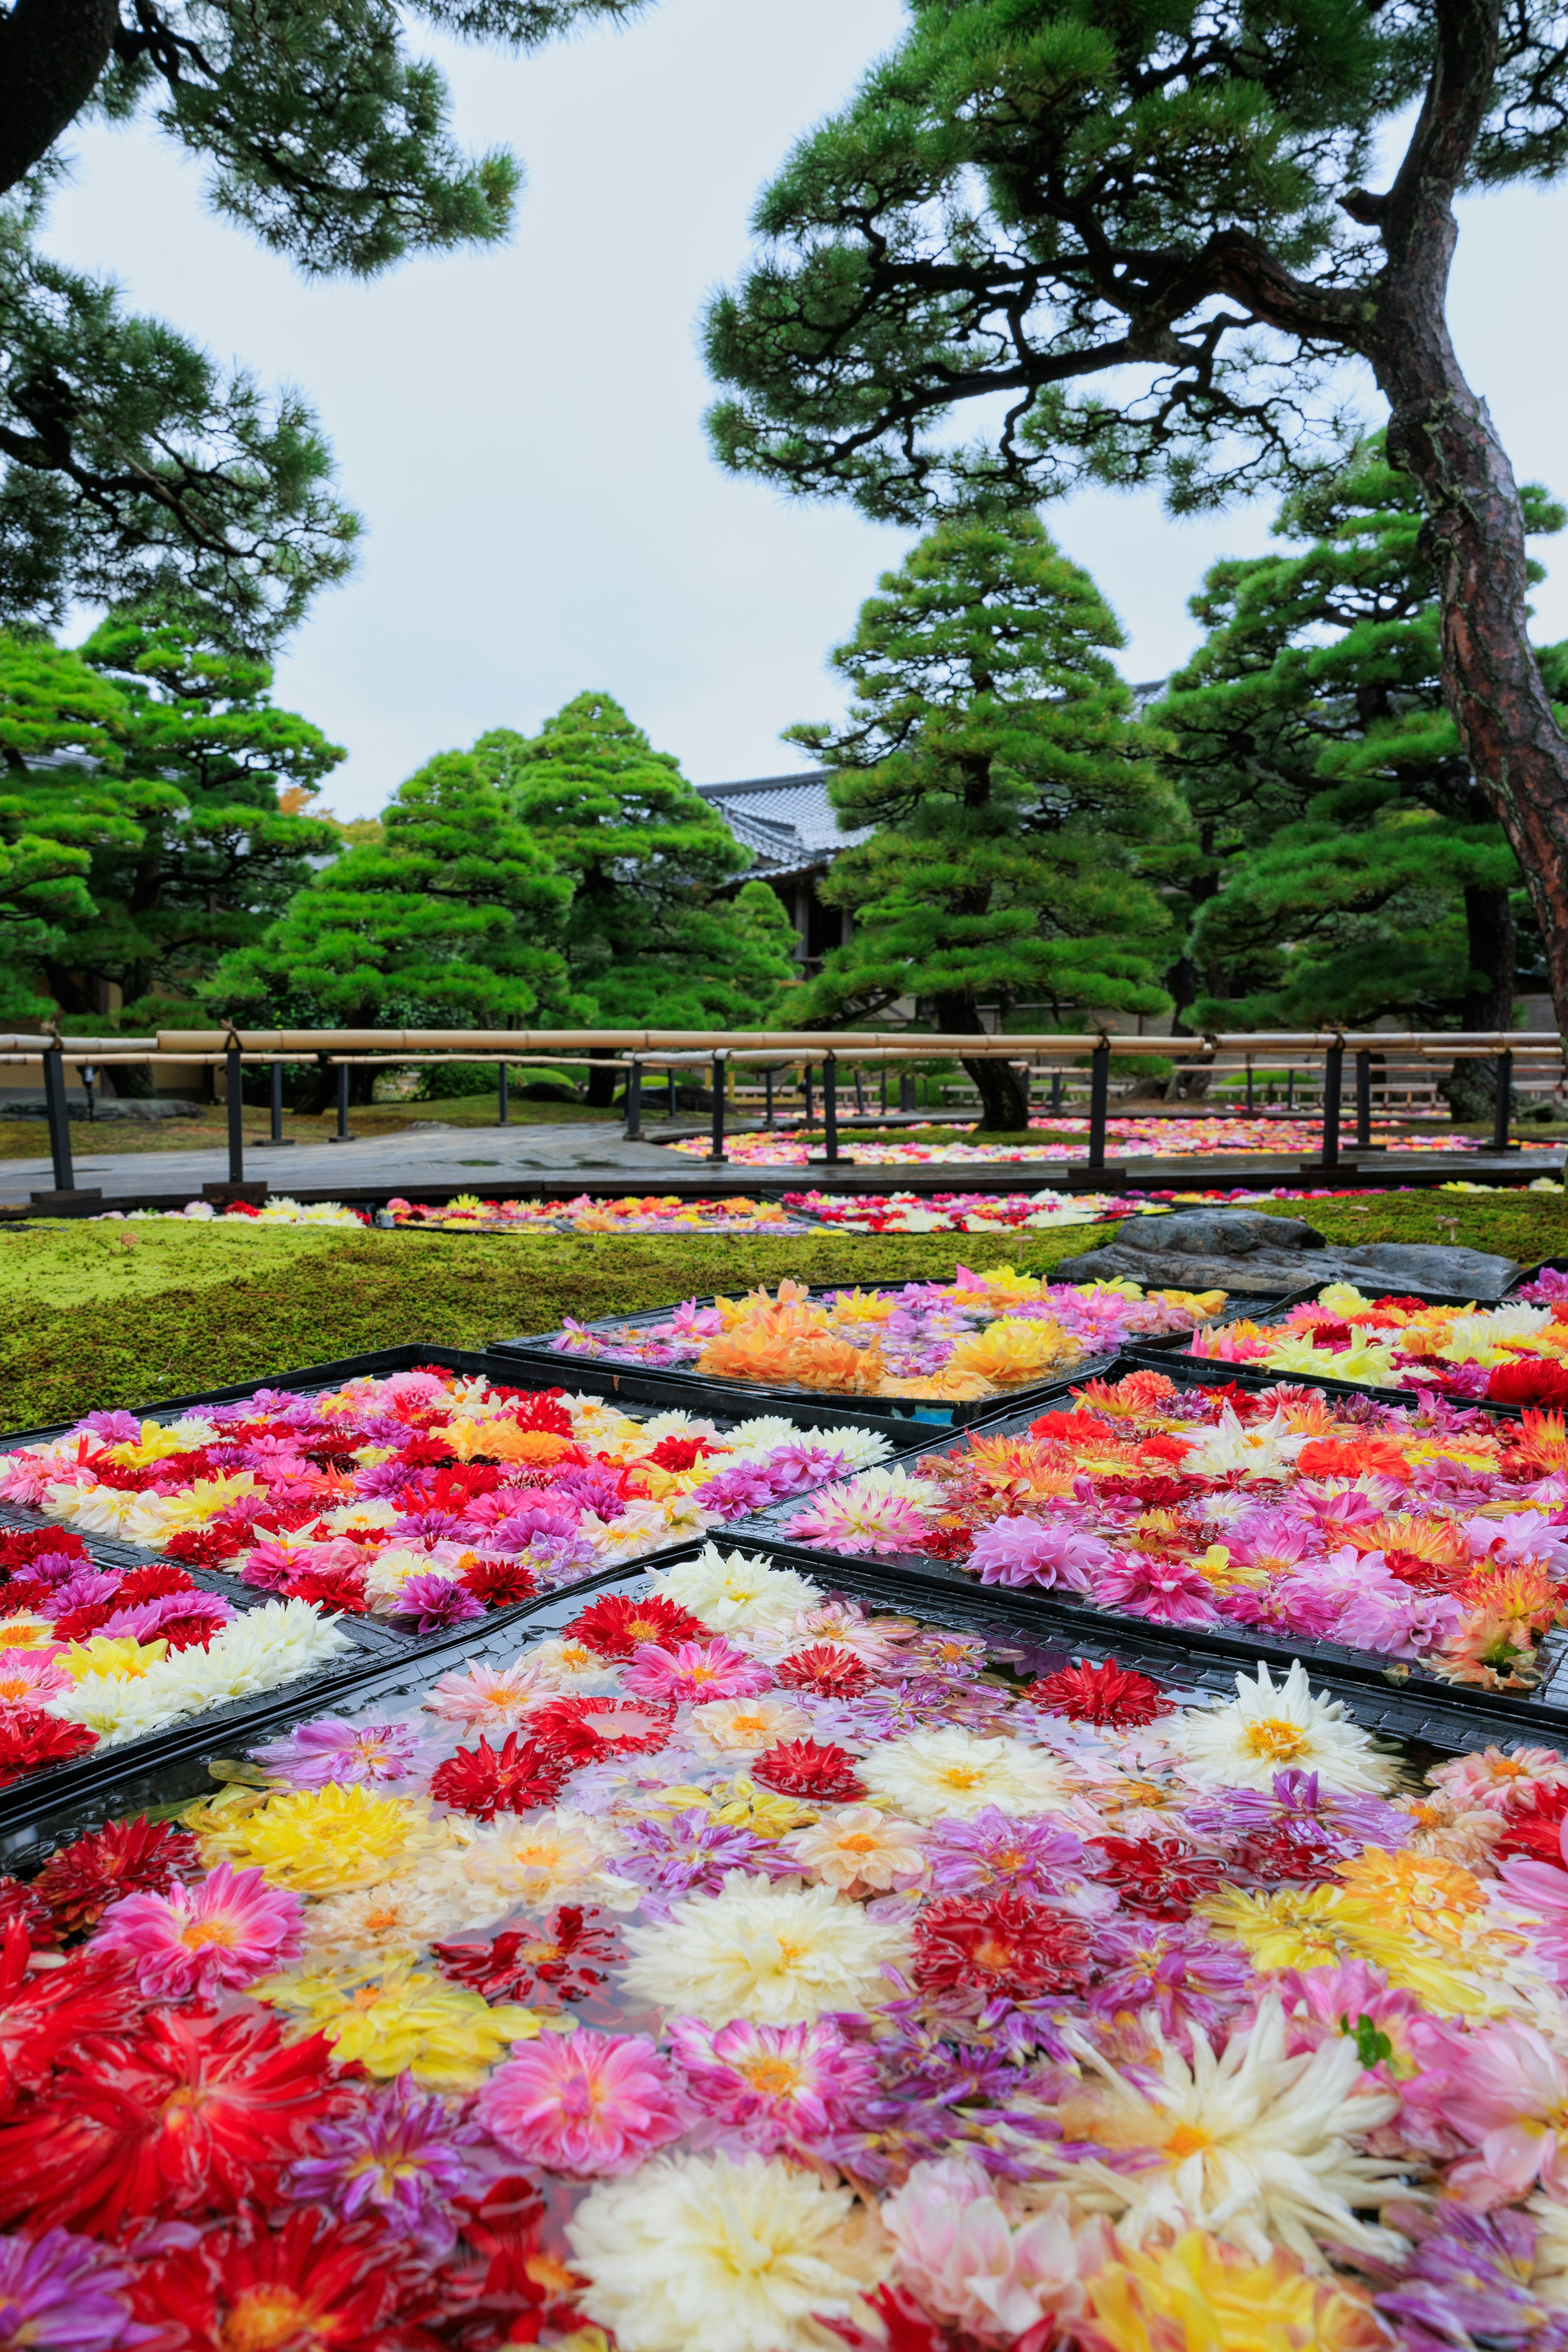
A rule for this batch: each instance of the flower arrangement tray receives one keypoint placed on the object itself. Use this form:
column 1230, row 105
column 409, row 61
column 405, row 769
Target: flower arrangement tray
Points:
column 160, row 1779
column 905, row 1419
column 1171, row 1352
column 1540, row 1709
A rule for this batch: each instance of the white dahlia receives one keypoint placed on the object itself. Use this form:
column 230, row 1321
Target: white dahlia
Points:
column 1269, row 1727
column 747, row 1726
column 1244, row 2142
column 776, row 1954
column 703, row 2254
column 740, row 1590
column 952, row 1772
column 543, row 1859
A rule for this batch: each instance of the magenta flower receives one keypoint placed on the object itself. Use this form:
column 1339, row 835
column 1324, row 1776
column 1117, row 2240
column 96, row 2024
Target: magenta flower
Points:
column 1052, row 1553
column 696, row 1670
column 333, row 1749
column 438, row 1602
column 582, row 2103
column 1174, row 1967
column 732, row 1494
column 774, row 2085
column 1166, row 1591
column 61, row 2293
column 400, row 2153
column 216, row 1937
column 28, row 1677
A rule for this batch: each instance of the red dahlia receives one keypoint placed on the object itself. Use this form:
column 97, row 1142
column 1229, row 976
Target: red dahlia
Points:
column 499, row 1583
column 999, row 1944
column 504, row 2279
column 21, row 1906
column 1531, row 1380
column 29, row 1740
column 800, row 1768
column 586, row 1730
column 947, row 1542
column 153, row 1583
column 1279, row 1854
column 679, row 1452
column 196, row 2114
column 135, row 1857
column 46, row 2013
column 571, row 1956
column 836, row 1672
column 1156, row 1875
column 511, row 1779
column 207, row 1546
column 261, row 2286
column 1538, row 1832
column 618, row 1626
column 339, row 1591
column 72, row 1624
column 1108, row 1693
column 20, row 1545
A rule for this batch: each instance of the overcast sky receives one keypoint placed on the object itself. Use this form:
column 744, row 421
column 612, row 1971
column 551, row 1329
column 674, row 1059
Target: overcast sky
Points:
column 523, row 427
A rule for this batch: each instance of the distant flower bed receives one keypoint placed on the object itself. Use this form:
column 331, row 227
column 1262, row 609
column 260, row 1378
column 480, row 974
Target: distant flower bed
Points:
column 1440, row 1535
column 428, row 1496
column 632, row 1213
column 1513, row 1354
column 1129, row 1139
column 976, row 1337
column 740, row 1972
column 280, row 1212
column 981, row 1212
column 92, row 1656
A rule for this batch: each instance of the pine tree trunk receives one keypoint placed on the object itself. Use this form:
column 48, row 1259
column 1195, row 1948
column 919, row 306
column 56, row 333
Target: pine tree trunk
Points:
column 601, row 1092
column 1003, row 1096
column 1443, row 436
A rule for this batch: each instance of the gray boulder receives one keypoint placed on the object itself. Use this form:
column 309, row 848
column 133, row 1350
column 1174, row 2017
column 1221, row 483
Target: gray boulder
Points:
column 1242, row 1250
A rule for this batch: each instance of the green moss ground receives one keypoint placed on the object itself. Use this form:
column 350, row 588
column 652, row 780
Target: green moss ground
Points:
column 87, row 1321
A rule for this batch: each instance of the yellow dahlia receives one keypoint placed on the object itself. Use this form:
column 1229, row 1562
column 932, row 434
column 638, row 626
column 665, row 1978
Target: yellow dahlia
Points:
column 103, row 1653
column 1417, row 1894
column 1199, row 2295
column 319, row 1841
column 405, row 2021
column 1323, row 1927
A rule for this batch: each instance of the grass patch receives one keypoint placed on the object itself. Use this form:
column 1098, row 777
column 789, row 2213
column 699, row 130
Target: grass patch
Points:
column 88, row 1322
column 339, row 1294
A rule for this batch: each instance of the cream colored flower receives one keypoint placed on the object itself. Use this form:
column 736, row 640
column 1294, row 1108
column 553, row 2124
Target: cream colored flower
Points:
column 396, row 1919
column 777, row 1954
column 747, row 1725
column 859, row 1851
column 1245, row 2142
column 541, row 1859
column 702, row 2255
column 1269, row 1727
column 738, row 1591
column 560, row 1665
column 954, row 1772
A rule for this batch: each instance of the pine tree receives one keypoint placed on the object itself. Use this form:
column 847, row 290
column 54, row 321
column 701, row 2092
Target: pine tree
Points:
column 451, row 918
column 206, row 761
column 990, row 743
column 62, row 729
column 1138, row 244
column 648, row 936
column 1350, row 864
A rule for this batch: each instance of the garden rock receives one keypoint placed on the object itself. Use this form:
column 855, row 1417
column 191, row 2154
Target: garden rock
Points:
column 1241, row 1249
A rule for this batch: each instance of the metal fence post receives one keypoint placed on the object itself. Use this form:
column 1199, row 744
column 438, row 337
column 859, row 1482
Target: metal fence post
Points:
column 234, row 1102
column 806, row 1090
column 505, row 1118
column 1055, row 1090
column 1250, row 1102
column 342, row 1134
column 59, row 1116
column 1098, row 1099
column 634, row 1102
column 1333, row 1080
column 277, row 1102
column 716, row 1150
column 1504, row 1102
column 1363, row 1095
column 830, row 1107
column 768, row 1096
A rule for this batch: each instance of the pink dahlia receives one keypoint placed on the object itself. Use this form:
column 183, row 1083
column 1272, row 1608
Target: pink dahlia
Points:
column 775, row 2086
column 217, row 1936
column 29, row 1677
column 582, row 2103
column 696, row 1670
column 1038, row 1551
column 1166, row 1591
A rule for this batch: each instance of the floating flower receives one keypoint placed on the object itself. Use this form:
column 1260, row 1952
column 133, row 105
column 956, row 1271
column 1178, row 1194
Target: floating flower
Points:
column 216, row 1936
column 859, row 1851
column 707, row 2254
column 746, row 1725
column 62, row 2290
column 1115, row 1698
column 1200, row 2291
column 333, row 1749
column 618, row 1625
column 999, row 1944
column 81, row 1881
column 569, row 1958
column 952, row 1772
column 546, row 1858
column 401, row 2156
column 486, row 1781
column 696, row 1670
column 405, row 2022
column 1269, row 1725
column 773, row 2086
column 585, row 2103
column 816, row 1772
column 779, row 1955
column 318, row 1840
column 971, row 2264
column 29, row 1739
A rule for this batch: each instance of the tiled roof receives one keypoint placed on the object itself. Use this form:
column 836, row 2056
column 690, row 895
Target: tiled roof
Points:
column 787, row 823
